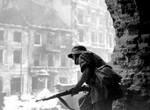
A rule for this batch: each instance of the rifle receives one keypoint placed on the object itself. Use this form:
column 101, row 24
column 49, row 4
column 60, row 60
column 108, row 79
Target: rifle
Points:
column 68, row 92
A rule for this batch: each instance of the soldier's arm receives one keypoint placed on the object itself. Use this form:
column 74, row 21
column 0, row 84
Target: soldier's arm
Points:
column 83, row 78
column 85, row 62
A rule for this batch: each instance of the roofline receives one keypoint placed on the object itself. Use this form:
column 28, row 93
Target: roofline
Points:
column 36, row 27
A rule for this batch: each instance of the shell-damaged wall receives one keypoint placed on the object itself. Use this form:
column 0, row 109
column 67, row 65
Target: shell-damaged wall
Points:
column 132, row 51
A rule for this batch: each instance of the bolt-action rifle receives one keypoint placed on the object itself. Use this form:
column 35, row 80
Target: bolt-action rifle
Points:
column 68, row 92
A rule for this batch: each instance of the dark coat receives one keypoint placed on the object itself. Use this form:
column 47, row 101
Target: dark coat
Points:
column 92, row 66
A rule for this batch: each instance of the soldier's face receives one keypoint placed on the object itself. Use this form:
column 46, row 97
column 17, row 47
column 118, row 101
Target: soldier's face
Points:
column 76, row 59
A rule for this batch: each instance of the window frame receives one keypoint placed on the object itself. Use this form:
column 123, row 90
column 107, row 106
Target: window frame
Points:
column 102, row 39
column 17, row 36
column 20, row 56
column 64, row 59
column 53, row 62
column 94, row 41
column 83, row 35
column 40, row 39
column 11, row 85
column 39, row 59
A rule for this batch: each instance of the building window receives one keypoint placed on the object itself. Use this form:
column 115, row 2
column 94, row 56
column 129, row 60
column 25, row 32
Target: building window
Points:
column 37, row 84
column 37, row 59
column 17, row 36
column 94, row 19
column 103, row 21
column 71, row 62
column 1, row 56
column 57, row 59
column 63, row 60
column 80, row 16
column 37, row 39
column 81, row 35
column 53, row 40
column 94, row 37
column 50, row 60
column 1, row 35
column 17, row 57
column 16, row 85
column 101, row 38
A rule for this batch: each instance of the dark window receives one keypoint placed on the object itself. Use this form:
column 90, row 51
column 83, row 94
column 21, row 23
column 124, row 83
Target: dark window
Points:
column 16, row 85
column 37, row 39
column 37, row 84
column 1, row 56
column 17, row 36
column 50, row 60
column 17, row 57
column 1, row 35
column 50, row 38
column 37, row 59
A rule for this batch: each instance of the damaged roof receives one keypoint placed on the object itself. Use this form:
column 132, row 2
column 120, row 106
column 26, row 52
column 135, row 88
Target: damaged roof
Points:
column 26, row 12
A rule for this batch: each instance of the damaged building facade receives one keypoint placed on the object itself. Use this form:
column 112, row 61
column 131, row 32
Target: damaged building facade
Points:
column 27, row 48
column 94, row 27
column 131, row 53
column 32, row 43
column 14, row 58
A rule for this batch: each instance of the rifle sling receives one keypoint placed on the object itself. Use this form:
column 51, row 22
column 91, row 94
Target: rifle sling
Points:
column 65, row 103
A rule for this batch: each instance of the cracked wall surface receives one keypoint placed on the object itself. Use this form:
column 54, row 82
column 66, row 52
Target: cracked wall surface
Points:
column 132, row 51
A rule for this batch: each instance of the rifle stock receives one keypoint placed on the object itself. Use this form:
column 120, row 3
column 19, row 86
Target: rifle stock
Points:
column 68, row 92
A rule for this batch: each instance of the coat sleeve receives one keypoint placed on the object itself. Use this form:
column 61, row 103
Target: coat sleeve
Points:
column 86, row 68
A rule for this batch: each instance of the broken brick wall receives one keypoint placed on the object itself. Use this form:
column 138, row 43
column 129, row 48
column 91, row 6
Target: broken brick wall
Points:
column 131, row 56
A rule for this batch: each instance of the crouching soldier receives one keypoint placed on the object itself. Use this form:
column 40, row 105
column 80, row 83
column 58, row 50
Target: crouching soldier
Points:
column 100, row 78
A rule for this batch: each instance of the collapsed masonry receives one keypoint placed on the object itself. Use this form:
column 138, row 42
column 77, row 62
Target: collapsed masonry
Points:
column 131, row 54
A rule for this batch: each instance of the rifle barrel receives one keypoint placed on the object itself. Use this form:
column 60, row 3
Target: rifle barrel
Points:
column 68, row 92
column 58, row 95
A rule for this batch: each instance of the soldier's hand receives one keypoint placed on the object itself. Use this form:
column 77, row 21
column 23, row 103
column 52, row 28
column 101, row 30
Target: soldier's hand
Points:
column 73, row 91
